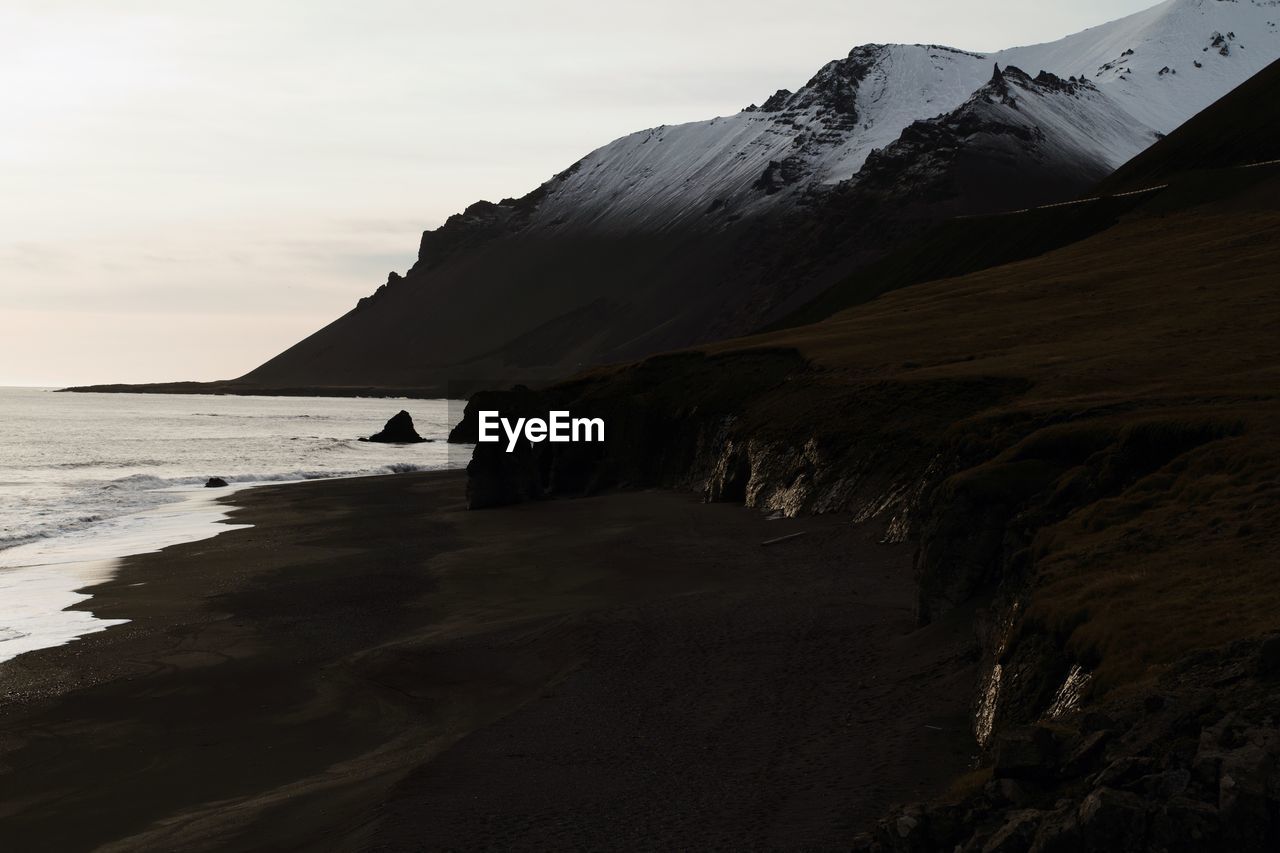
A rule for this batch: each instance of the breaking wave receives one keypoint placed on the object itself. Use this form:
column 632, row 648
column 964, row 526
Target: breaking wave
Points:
column 140, row 492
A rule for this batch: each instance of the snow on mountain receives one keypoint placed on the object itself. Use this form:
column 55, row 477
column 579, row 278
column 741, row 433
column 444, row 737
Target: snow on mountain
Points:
column 1157, row 67
column 1167, row 63
column 1075, row 120
column 820, row 134
column 1056, row 136
column 1072, row 121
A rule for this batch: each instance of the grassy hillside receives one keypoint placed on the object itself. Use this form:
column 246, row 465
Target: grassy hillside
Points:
column 965, row 245
column 1169, row 326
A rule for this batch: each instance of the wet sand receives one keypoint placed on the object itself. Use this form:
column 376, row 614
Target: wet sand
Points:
column 371, row 667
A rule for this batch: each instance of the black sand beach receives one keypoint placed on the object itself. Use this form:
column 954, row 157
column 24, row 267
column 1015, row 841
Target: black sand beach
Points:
column 372, row 667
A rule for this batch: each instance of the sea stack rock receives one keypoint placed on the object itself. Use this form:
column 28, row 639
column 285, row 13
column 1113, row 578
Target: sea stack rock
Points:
column 215, row 483
column 399, row 430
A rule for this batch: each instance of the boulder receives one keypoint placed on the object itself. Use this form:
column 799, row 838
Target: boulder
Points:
column 1184, row 823
column 1164, row 786
column 215, row 483
column 1083, row 752
column 1006, row 792
column 1122, row 771
column 1113, row 820
column 1247, row 800
column 1024, row 753
column 1017, row 833
column 1059, row 831
column 399, row 430
column 1269, row 657
column 1096, row 721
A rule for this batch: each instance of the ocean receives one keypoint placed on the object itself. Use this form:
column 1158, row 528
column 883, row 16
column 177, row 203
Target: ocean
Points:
column 88, row 478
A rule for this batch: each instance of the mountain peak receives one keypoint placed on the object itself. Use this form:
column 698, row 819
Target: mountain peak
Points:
column 691, row 212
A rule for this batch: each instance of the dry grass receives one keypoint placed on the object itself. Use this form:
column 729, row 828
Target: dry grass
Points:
column 966, row 785
column 1171, row 318
column 1183, row 559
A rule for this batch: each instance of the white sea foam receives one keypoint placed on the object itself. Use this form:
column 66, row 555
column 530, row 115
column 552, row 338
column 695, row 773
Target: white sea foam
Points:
column 87, row 479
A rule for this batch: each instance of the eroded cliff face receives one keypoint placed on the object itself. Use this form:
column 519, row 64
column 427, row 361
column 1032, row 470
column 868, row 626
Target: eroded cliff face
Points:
column 1188, row 762
column 765, row 430
column 758, row 428
column 953, row 465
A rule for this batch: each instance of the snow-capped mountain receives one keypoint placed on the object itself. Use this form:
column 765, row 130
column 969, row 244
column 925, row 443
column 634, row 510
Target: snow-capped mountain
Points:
column 1055, row 135
column 676, row 235
column 662, row 177
column 1167, row 63
column 1158, row 67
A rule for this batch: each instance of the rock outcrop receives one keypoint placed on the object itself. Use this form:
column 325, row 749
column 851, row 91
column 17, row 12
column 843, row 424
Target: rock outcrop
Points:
column 1191, row 763
column 399, row 430
column 215, row 483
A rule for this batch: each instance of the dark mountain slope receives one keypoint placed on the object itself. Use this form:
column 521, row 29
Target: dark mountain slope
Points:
column 1018, row 142
column 968, row 244
column 1198, row 163
column 494, row 300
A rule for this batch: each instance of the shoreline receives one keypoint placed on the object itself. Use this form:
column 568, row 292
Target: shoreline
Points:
column 370, row 665
column 49, row 578
column 46, row 580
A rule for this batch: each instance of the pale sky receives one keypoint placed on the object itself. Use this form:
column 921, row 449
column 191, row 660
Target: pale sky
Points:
column 188, row 188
